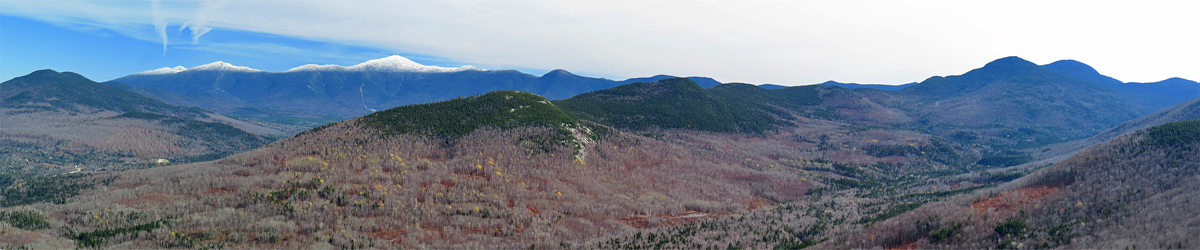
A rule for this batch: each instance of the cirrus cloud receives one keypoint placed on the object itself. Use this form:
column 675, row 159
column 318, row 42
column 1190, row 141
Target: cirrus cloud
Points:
column 782, row 42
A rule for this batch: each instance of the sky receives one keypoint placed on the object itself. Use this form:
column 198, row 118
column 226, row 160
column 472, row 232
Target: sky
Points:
column 777, row 42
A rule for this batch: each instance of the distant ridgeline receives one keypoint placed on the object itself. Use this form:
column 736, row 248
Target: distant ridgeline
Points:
column 681, row 103
column 336, row 92
column 1016, row 103
column 669, row 104
column 1175, row 134
column 103, row 124
column 50, row 90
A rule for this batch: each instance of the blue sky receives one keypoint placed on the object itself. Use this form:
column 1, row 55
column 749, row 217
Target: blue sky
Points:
column 27, row 45
column 753, row 41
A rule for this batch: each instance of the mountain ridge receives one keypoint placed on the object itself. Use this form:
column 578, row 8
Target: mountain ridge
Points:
column 1161, row 94
column 338, row 91
column 100, row 124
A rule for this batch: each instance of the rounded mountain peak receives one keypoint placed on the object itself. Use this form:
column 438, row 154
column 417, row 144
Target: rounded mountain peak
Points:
column 1071, row 66
column 396, row 63
column 1010, row 62
column 558, row 73
column 45, row 74
column 224, row 66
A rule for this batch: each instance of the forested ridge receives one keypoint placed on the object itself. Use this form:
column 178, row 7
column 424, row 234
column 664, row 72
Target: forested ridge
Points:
column 679, row 103
column 460, row 116
column 664, row 164
column 64, row 120
column 488, row 175
column 1135, row 191
column 48, row 89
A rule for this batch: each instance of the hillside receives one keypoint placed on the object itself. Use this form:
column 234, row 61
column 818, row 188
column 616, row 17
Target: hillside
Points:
column 64, row 118
column 663, row 164
column 504, row 169
column 724, row 108
column 461, row 116
column 1189, row 110
column 485, row 186
column 1135, row 191
column 1013, row 102
column 51, row 90
column 1159, row 95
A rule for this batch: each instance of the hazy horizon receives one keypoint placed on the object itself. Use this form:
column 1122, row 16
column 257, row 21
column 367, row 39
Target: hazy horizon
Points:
column 760, row 42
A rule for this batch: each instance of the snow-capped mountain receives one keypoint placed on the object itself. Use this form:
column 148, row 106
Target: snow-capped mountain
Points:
column 223, row 66
column 393, row 63
column 348, row 91
column 163, row 71
column 214, row 66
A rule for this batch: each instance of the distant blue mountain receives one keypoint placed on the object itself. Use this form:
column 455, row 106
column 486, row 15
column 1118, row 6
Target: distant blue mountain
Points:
column 338, row 92
column 1081, row 71
column 1011, row 94
column 772, row 86
column 1161, row 94
column 704, row 82
column 872, row 86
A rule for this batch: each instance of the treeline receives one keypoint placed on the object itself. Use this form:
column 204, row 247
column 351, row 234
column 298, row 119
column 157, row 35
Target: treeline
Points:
column 1180, row 133
column 28, row 220
column 21, row 186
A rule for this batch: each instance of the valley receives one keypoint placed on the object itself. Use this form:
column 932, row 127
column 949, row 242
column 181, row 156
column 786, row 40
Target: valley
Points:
column 1005, row 156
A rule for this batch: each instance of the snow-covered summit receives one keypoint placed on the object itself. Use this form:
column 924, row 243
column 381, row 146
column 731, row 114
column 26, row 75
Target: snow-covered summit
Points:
column 224, row 66
column 163, row 71
column 393, row 63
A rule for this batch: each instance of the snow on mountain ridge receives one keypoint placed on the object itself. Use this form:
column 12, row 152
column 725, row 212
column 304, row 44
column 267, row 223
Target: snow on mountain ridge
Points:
column 224, row 66
column 163, row 71
column 394, row 63
column 314, row 67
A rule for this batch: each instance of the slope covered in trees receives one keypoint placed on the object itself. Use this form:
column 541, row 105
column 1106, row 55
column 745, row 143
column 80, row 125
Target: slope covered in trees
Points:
column 1189, row 110
column 1135, row 191
column 322, row 93
column 1162, row 94
column 679, row 103
column 460, row 116
column 51, row 90
column 1013, row 102
column 503, row 174
column 64, row 118
column 665, row 164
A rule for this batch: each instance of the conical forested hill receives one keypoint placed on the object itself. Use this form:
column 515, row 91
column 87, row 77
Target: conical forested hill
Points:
column 460, row 116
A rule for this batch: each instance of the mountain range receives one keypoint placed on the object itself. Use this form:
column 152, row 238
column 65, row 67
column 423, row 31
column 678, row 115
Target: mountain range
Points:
column 1008, row 101
column 337, row 92
column 65, row 118
column 680, row 163
column 1134, row 190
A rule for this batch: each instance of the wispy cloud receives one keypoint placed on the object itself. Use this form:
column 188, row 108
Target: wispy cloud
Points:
column 199, row 22
column 160, row 23
column 785, row 42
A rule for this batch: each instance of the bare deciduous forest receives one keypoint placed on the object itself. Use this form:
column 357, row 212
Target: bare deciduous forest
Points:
column 351, row 187
column 512, row 170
